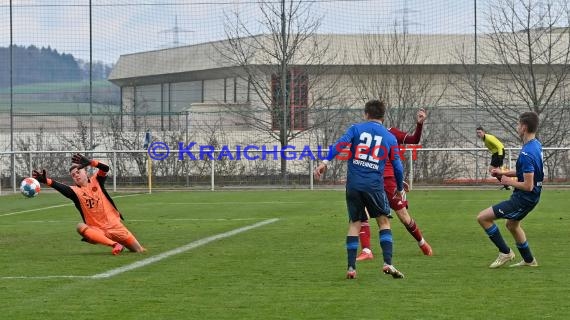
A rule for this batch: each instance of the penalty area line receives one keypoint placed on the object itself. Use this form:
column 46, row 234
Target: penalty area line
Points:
column 189, row 246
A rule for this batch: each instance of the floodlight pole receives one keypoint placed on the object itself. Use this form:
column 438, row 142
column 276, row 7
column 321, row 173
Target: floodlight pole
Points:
column 12, row 157
column 91, row 145
column 284, row 89
column 476, row 85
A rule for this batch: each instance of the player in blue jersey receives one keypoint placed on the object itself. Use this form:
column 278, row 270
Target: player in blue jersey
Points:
column 529, row 173
column 366, row 147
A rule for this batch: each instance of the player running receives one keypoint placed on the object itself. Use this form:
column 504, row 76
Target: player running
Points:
column 400, row 206
column 371, row 146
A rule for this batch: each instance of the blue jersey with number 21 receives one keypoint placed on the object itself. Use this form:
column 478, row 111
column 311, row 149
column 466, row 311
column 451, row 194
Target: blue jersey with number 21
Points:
column 376, row 145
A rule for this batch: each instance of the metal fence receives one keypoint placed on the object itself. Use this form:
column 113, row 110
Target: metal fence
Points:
column 56, row 58
column 255, row 168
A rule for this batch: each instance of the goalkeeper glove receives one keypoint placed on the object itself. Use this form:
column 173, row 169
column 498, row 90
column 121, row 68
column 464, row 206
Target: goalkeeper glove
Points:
column 40, row 176
column 81, row 160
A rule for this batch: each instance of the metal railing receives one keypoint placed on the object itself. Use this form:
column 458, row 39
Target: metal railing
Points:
column 135, row 169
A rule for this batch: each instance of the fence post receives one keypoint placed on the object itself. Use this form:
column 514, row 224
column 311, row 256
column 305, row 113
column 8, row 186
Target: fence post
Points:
column 311, row 165
column 510, row 159
column 115, row 173
column 411, row 177
column 149, row 173
column 14, row 172
column 212, row 171
column 30, row 164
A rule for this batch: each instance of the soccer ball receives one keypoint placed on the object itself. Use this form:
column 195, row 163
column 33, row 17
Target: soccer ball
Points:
column 30, row 187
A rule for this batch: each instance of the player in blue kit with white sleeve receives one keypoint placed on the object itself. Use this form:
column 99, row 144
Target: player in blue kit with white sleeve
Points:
column 367, row 146
column 528, row 186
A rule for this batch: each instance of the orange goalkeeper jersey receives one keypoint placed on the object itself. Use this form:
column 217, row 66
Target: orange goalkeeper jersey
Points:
column 96, row 208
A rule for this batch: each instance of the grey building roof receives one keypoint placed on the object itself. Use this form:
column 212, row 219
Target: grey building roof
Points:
column 204, row 60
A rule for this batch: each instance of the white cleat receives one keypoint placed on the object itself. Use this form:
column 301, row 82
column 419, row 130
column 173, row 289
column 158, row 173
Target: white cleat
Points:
column 523, row 263
column 502, row 259
column 391, row 270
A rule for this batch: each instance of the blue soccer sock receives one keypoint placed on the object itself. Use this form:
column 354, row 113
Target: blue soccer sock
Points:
column 386, row 244
column 524, row 249
column 351, row 250
column 495, row 235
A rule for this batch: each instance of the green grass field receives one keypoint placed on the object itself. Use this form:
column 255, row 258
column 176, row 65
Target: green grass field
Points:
column 293, row 268
column 31, row 98
column 50, row 87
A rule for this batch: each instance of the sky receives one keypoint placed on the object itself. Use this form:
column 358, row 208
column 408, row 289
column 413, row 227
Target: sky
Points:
column 129, row 26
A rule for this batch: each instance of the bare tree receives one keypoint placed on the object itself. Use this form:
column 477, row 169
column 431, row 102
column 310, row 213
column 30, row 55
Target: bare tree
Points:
column 287, row 68
column 127, row 137
column 55, row 163
column 80, row 139
column 524, row 66
column 392, row 75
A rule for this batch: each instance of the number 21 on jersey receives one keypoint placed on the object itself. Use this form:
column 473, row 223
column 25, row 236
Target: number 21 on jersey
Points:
column 367, row 143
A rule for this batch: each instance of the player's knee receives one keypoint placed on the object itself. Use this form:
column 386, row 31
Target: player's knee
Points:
column 383, row 222
column 136, row 247
column 81, row 228
column 512, row 225
column 482, row 219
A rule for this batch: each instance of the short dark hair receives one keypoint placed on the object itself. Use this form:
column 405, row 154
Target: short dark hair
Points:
column 376, row 109
column 73, row 166
column 480, row 128
column 530, row 120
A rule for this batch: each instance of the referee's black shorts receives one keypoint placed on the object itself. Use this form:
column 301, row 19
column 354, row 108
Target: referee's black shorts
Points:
column 497, row 160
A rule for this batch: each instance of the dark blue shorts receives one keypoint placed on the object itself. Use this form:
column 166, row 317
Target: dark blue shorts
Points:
column 375, row 202
column 512, row 209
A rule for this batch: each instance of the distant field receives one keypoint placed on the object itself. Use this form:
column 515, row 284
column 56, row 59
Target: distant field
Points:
column 56, row 86
column 50, row 108
column 290, row 268
column 54, row 97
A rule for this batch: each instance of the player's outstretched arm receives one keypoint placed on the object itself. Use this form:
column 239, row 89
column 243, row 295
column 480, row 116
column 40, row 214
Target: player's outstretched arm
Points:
column 64, row 189
column 41, row 176
column 83, row 162
column 421, row 116
column 394, row 158
column 414, row 138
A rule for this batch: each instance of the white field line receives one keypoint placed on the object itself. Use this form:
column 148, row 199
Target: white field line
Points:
column 157, row 258
column 32, row 210
column 59, row 205
column 190, row 246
